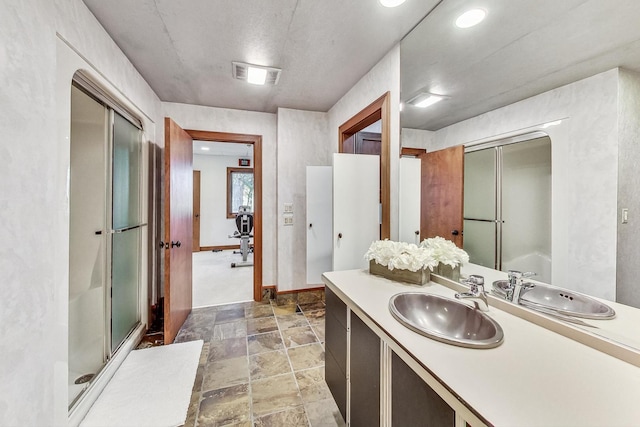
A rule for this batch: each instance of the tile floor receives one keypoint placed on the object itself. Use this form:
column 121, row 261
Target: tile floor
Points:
column 261, row 365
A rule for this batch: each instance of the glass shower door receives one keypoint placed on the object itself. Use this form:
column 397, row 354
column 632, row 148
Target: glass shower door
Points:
column 126, row 233
column 480, row 220
column 526, row 207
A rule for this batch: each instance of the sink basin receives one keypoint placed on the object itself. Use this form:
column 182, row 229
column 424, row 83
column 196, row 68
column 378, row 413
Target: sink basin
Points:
column 563, row 301
column 446, row 320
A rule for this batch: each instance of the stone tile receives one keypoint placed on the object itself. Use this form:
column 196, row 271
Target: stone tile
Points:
column 225, row 373
column 261, row 325
column 258, row 311
column 324, row 413
column 318, row 305
column 274, row 394
column 318, row 328
column 240, row 424
column 307, row 297
column 292, row 321
column 270, row 364
column 230, row 330
column 286, row 299
column 315, row 315
column 263, row 343
column 312, row 385
column 225, row 406
column 194, row 334
column 307, row 356
column 226, row 349
column 294, row 337
column 295, row 417
column 225, row 316
column 284, row 310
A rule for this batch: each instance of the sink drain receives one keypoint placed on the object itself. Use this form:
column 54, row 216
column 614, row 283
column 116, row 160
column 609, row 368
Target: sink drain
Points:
column 84, row 379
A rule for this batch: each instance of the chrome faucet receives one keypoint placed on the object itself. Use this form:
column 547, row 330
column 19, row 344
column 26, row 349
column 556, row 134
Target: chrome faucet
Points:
column 476, row 292
column 516, row 286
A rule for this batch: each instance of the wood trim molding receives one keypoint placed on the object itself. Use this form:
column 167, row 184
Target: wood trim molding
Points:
column 220, row 248
column 297, row 291
column 378, row 110
column 256, row 140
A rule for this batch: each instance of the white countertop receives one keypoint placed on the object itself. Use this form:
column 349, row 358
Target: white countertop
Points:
column 535, row 378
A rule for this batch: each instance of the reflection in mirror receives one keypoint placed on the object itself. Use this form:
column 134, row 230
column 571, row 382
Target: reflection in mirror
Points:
column 581, row 91
column 507, row 205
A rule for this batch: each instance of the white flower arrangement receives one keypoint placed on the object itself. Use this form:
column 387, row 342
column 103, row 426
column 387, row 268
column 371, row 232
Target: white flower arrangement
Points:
column 445, row 251
column 400, row 255
column 408, row 256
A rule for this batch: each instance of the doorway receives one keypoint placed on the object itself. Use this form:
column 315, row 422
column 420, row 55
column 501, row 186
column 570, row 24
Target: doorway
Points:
column 223, row 220
column 105, row 233
column 352, row 138
column 253, row 143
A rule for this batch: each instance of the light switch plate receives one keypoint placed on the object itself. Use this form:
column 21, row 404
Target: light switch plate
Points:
column 288, row 208
column 625, row 216
column 288, row 220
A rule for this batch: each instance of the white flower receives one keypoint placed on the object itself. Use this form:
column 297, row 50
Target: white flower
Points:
column 445, row 251
column 400, row 255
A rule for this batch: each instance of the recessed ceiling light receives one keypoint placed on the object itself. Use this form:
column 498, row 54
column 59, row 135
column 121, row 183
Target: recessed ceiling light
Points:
column 470, row 18
column 205, row 148
column 391, row 3
column 256, row 76
column 423, row 100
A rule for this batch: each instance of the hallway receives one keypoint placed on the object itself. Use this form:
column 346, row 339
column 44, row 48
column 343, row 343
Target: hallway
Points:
column 261, row 364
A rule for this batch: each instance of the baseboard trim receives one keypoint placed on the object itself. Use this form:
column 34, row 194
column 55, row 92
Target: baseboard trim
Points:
column 296, row 291
column 219, row 248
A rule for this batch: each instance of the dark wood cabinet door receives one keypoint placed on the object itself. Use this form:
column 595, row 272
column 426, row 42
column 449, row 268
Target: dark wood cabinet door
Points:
column 365, row 375
column 413, row 402
column 336, row 349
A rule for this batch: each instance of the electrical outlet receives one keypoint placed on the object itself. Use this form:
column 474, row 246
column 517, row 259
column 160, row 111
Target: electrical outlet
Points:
column 288, row 208
column 288, row 220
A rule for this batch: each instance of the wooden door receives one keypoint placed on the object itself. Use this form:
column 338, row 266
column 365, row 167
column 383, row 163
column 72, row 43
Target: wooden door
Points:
column 368, row 143
column 178, row 228
column 196, row 211
column 442, row 190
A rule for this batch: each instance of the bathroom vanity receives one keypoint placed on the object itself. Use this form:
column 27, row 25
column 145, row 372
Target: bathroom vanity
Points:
column 383, row 373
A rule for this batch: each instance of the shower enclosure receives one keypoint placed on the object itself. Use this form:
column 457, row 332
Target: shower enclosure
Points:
column 507, row 204
column 105, row 225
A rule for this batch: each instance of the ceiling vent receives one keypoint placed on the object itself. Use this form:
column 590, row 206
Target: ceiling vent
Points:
column 242, row 71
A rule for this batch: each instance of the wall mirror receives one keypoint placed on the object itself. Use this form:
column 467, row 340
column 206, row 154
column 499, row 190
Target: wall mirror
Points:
column 571, row 71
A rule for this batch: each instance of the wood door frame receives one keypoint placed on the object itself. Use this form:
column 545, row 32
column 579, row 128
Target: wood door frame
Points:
column 377, row 110
column 196, row 213
column 256, row 141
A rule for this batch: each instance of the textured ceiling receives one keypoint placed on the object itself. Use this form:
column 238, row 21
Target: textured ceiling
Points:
column 184, row 49
column 523, row 48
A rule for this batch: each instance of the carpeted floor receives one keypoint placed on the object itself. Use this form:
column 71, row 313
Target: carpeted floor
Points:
column 215, row 282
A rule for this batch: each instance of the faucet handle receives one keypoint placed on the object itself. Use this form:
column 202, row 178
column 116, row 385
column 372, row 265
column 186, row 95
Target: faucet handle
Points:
column 476, row 283
column 515, row 274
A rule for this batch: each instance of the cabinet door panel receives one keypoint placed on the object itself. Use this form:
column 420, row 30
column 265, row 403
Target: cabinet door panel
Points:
column 337, row 382
column 335, row 307
column 365, row 375
column 413, row 402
